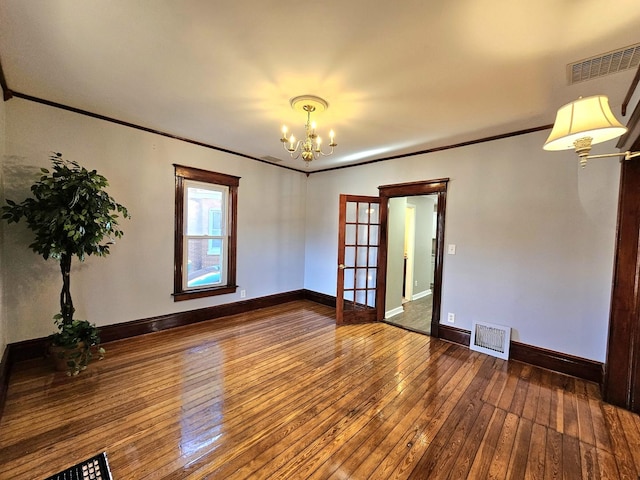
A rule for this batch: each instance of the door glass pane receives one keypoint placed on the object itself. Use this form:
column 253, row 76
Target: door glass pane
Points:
column 371, row 298
column 348, row 295
column 348, row 278
column 363, row 212
column 351, row 212
column 350, row 256
column 371, row 278
column 373, row 235
column 361, row 297
column 373, row 256
column 350, row 235
column 361, row 278
column 363, row 234
column 374, row 215
column 362, row 257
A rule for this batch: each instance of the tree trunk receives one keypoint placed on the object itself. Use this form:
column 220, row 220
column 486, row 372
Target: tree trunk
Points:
column 66, row 304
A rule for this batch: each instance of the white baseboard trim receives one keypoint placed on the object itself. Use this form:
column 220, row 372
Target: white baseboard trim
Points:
column 424, row 293
column 394, row 312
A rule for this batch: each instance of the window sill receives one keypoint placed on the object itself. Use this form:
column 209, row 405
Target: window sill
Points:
column 203, row 292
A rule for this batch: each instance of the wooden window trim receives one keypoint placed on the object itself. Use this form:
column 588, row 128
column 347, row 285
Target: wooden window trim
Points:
column 183, row 173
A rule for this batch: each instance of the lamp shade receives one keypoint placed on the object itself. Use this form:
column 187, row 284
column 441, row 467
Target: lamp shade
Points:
column 586, row 117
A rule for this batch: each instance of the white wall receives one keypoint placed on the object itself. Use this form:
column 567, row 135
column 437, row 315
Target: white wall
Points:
column 423, row 263
column 396, row 226
column 136, row 280
column 534, row 235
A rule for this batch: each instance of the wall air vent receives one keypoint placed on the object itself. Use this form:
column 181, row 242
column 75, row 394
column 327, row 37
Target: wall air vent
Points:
column 491, row 339
column 605, row 64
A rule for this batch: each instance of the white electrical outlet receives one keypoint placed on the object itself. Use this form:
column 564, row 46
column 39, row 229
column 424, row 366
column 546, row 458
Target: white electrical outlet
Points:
column 451, row 318
column 243, row 293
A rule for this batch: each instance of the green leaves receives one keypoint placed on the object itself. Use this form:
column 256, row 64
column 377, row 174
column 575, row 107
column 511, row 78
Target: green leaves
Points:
column 70, row 215
column 70, row 212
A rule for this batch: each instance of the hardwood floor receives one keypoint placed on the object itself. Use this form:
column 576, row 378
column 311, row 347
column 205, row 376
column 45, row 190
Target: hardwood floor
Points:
column 416, row 315
column 284, row 393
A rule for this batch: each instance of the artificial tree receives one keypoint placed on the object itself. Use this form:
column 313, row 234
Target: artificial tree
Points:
column 71, row 215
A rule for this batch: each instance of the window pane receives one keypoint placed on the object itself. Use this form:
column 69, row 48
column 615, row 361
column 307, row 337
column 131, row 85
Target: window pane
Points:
column 204, row 211
column 203, row 269
column 214, row 246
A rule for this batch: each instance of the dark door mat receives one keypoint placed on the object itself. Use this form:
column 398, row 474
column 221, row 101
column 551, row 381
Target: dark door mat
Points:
column 94, row 468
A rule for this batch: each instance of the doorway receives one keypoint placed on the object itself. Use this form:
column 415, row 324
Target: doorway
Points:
column 411, row 250
column 411, row 236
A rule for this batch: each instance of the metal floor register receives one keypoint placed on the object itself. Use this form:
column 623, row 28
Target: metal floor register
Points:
column 95, row 468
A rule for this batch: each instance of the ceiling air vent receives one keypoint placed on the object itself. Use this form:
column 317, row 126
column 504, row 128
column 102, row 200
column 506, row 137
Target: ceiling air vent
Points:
column 605, row 64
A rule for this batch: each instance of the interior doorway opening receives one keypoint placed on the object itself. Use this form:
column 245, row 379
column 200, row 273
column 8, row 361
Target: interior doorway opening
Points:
column 411, row 252
column 411, row 235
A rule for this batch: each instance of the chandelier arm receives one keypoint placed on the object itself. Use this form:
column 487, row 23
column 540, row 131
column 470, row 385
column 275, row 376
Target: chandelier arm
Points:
column 325, row 154
column 295, row 153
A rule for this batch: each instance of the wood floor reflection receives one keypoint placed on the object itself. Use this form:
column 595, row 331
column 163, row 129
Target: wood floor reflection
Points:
column 284, row 393
column 416, row 315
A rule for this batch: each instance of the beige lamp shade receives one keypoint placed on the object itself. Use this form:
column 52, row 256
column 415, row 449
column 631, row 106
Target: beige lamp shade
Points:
column 586, row 117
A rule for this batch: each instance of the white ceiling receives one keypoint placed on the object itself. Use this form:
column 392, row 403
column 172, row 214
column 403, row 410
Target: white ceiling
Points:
column 399, row 76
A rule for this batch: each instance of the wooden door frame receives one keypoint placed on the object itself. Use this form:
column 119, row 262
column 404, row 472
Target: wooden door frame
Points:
column 621, row 384
column 425, row 187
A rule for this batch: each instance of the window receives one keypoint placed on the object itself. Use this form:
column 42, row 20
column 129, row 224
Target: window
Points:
column 205, row 233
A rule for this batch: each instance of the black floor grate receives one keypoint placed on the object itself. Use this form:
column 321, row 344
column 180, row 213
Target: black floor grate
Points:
column 95, row 468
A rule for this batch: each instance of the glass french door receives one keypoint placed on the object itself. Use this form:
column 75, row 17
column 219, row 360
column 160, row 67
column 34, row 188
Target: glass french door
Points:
column 358, row 237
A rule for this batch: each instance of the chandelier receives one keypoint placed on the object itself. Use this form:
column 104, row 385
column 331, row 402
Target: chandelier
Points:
column 311, row 146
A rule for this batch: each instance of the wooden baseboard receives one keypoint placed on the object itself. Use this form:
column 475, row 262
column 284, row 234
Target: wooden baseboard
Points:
column 583, row 368
column 134, row 328
column 4, row 378
column 322, row 298
column 35, row 348
column 454, row 334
